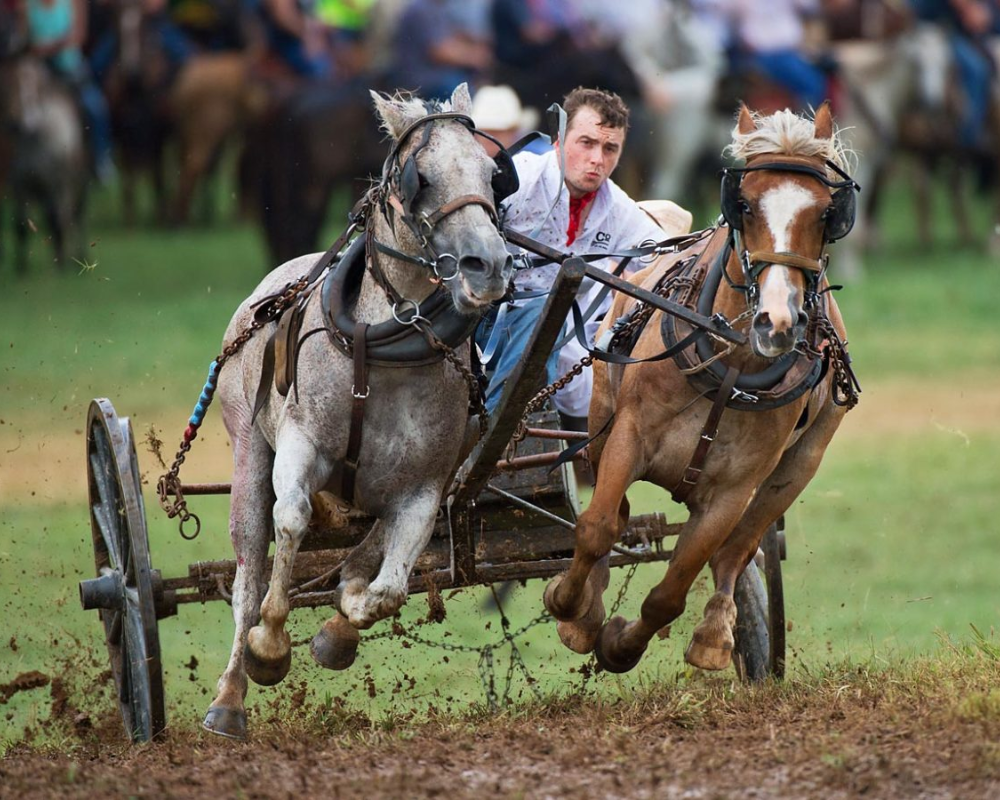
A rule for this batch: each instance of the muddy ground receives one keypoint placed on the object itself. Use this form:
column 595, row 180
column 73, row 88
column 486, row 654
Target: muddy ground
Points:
column 919, row 735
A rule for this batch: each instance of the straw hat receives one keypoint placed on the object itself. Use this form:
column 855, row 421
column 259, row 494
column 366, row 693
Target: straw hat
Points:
column 498, row 108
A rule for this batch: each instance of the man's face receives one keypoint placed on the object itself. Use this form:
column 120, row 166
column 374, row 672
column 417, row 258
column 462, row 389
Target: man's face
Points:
column 592, row 152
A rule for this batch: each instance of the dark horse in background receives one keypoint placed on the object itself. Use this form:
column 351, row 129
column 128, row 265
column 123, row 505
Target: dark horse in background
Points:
column 311, row 142
column 47, row 162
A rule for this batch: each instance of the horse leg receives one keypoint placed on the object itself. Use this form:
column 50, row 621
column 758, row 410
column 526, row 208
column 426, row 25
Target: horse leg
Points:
column 575, row 596
column 335, row 646
column 20, row 235
column 621, row 644
column 298, row 473
column 774, row 497
column 250, row 530
column 408, row 529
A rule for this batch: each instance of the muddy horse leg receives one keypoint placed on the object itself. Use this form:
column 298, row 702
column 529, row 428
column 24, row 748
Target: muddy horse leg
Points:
column 408, row 529
column 621, row 643
column 572, row 596
column 335, row 645
column 298, row 473
column 250, row 530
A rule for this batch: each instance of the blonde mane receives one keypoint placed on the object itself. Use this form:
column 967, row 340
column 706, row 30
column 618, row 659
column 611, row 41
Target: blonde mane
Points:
column 787, row 133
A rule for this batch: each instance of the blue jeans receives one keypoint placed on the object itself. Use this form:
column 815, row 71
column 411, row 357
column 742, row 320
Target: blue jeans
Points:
column 975, row 72
column 791, row 70
column 513, row 333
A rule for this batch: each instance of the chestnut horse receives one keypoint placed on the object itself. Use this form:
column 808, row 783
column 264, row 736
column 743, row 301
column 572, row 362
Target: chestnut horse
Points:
column 781, row 213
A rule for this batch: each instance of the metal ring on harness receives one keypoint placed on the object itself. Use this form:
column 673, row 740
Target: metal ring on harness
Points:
column 357, row 396
column 446, row 278
column 416, row 313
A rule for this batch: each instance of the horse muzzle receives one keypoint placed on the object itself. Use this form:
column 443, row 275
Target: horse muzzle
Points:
column 772, row 337
column 481, row 280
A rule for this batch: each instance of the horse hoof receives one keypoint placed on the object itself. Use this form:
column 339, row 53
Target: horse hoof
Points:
column 335, row 646
column 567, row 613
column 604, row 649
column 577, row 638
column 228, row 722
column 266, row 673
column 706, row 657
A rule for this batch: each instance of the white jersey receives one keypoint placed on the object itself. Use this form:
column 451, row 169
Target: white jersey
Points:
column 615, row 223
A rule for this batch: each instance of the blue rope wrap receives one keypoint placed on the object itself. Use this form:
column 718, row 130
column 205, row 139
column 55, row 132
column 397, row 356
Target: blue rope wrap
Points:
column 205, row 399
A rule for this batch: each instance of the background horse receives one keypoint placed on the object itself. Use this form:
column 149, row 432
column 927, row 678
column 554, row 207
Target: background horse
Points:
column 48, row 160
column 780, row 216
column 416, row 419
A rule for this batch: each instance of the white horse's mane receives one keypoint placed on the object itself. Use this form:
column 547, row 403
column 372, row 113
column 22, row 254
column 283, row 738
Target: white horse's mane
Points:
column 788, row 133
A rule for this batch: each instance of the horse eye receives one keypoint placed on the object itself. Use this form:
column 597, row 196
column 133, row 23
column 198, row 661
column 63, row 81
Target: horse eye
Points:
column 424, row 183
column 744, row 207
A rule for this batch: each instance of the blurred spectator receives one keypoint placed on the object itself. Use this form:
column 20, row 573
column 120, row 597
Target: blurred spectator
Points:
column 770, row 38
column 438, row 44
column 967, row 24
column 546, row 47
column 213, row 25
column 497, row 111
column 56, row 31
column 295, row 36
column 151, row 16
column 344, row 24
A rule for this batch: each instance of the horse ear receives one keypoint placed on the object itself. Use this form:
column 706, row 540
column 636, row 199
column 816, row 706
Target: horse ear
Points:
column 824, row 121
column 391, row 112
column 461, row 101
column 745, row 124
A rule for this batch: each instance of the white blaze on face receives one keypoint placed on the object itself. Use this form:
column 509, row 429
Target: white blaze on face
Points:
column 780, row 207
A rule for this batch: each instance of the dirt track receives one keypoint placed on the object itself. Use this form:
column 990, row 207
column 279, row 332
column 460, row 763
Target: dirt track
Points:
column 925, row 733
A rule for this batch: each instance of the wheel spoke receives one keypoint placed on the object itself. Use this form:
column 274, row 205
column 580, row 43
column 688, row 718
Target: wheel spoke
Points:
column 109, row 533
column 136, row 666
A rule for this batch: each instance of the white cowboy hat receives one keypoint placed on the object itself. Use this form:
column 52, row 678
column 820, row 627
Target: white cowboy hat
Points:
column 498, row 108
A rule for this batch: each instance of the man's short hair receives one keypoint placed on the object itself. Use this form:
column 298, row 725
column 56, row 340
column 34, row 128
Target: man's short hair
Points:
column 609, row 106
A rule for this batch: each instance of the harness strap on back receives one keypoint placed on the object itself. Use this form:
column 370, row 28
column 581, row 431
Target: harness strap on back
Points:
column 693, row 471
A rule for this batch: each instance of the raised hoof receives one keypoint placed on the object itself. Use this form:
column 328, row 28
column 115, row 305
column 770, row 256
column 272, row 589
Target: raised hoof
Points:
column 576, row 638
column 560, row 612
column 706, row 657
column 228, row 722
column 605, row 648
column 266, row 673
column 335, row 646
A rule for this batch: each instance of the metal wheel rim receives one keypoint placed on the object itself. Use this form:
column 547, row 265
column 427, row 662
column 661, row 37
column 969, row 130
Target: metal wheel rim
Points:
column 118, row 526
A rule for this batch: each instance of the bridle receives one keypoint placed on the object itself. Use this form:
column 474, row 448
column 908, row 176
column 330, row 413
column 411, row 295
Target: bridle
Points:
column 402, row 184
column 838, row 220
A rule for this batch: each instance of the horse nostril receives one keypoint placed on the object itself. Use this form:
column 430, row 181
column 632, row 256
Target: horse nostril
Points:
column 472, row 264
column 762, row 321
column 802, row 320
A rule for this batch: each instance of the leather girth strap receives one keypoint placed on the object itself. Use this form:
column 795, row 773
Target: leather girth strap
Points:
column 693, row 471
column 348, row 470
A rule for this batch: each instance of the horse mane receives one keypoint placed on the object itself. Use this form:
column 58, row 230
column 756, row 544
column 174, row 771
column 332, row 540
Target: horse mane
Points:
column 791, row 134
column 406, row 106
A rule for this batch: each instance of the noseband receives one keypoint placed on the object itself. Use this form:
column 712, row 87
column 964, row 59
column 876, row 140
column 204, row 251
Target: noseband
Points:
column 838, row 219
column 402, row 184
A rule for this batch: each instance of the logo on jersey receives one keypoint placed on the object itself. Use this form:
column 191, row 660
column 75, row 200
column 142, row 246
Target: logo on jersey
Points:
column 601, row 240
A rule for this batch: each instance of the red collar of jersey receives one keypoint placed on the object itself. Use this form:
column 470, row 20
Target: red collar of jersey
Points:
column 576, row 206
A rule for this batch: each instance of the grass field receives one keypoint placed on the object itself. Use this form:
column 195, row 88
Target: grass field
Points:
column 891, row 548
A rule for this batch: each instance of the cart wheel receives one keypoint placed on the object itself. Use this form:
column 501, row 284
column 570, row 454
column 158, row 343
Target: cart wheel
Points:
column 123, row 590
column 760, row 622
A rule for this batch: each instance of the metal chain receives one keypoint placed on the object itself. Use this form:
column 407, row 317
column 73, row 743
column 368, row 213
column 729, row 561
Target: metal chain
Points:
column 536, row 402
column 486, row 664
column 170, row 482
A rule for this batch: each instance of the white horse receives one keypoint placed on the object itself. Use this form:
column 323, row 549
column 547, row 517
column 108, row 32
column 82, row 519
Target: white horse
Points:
column 432, row 237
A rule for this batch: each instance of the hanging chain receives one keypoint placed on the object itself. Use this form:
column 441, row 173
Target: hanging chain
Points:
column 170, row 482
column 845, row 384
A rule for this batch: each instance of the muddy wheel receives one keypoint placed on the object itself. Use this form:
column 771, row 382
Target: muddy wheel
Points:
column 123, row 589
column 760, row 605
